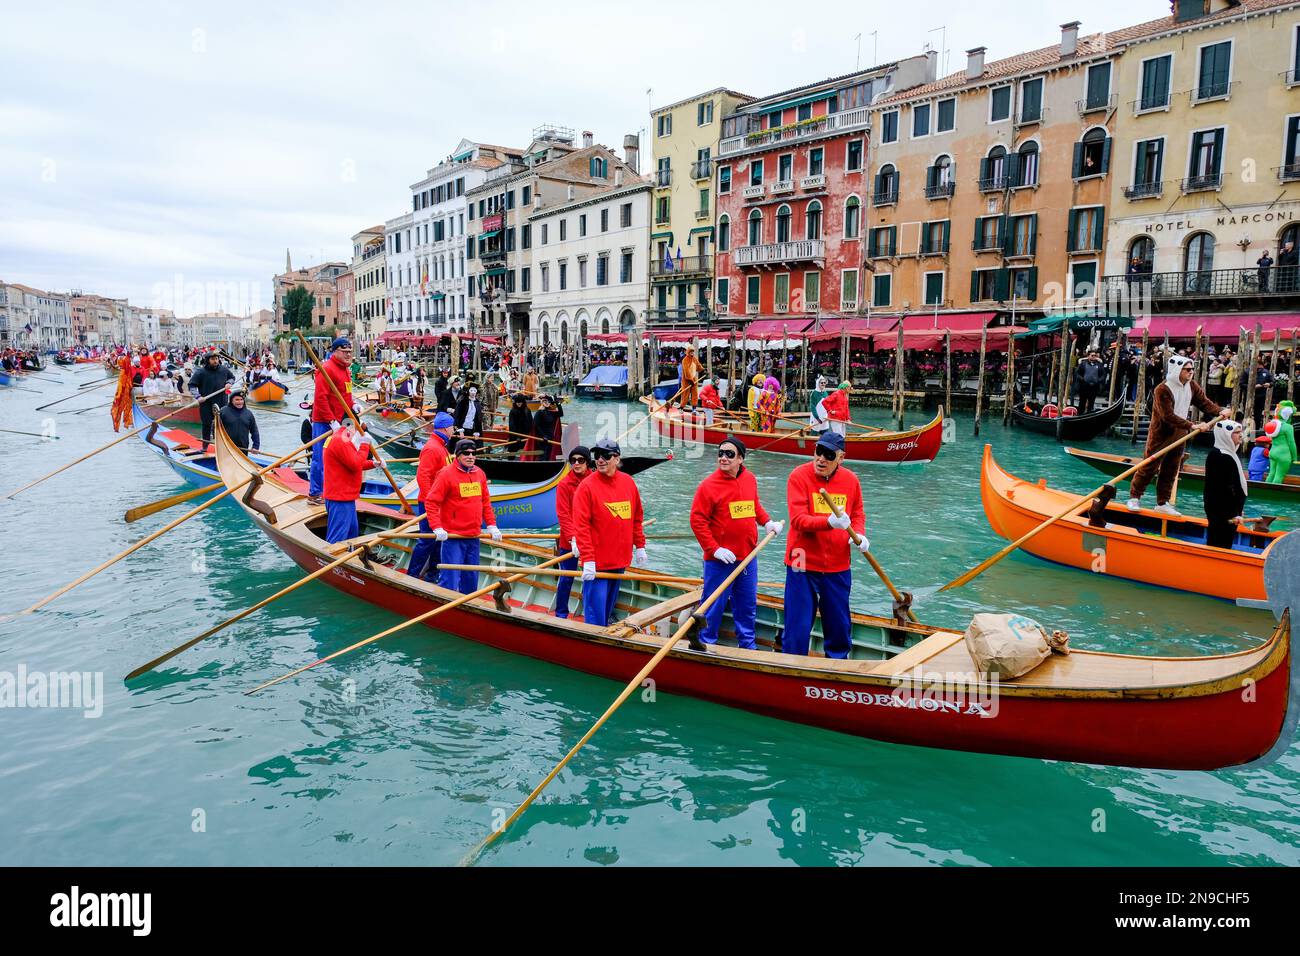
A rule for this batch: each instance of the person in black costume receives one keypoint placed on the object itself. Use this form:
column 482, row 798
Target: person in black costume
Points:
column 546, row 425
column 520, row 422
column 1225, row 485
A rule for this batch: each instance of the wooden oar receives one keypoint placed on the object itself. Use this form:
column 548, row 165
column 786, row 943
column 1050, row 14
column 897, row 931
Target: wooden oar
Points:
column 82, row 411
column 634, row 684
column 397, row 489
column 32, row 434
column 357, row 547
column 650, row 576
column 162, row 504
column 75, row 394
column 419, row 618
column 120, row 438
column 507, row 431
column 1075, row 506
column 899, row 599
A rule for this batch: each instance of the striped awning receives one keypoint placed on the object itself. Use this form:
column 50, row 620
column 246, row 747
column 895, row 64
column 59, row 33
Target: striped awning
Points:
column 489, row 235
column 496, row 271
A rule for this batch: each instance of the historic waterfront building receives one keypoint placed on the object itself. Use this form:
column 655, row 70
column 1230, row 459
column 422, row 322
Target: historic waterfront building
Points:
column 370, row 283
column 34, row 318
column 1206, row 161
column 792, row 180
column 685, row 138
column 590, row 263
column 320, row 280
column 500, row 241
column 989, row 187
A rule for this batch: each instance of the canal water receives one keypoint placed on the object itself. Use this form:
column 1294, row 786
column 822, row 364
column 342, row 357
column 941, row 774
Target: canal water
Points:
column 402, row 753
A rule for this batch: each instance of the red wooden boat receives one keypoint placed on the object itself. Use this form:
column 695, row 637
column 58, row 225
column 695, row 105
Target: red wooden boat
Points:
column 915, row 445
column 1179, row 713
column 156, row 410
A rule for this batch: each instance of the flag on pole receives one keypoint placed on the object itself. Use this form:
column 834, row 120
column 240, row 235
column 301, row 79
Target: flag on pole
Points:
column 679, row 258
column 668, row 260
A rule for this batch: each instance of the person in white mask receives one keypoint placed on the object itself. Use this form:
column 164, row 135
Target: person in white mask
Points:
column 469, row 413
column 1171, row 404
column 1225, row 485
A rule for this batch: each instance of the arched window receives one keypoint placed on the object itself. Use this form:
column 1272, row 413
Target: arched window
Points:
column 604, row 325
column 1092, row 153
column 755, row 227
column 814, row 220
column 546, row 333
column 627, row 320
column 1198, row 261
column 1027, row 164
column 943, row 171
column 886, row 185
column 724, row 233
column 564, row 333
column 852, row 217
column 995, row 169
column 783, row 224
column 1141, row 255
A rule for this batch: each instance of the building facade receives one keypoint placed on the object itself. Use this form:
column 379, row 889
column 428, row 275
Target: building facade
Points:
column 685, row 137
column 370, row 282
column 595, row 278
column 34, row 318
column 320, row 280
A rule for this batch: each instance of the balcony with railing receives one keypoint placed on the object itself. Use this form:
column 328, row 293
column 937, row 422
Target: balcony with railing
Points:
column 754, row 192
column 1213, row 90
column 773, row 253
column 1144, row 190
column 782, row 186
column 940, row 190
column 855, row 119
column 1291, row 77
column 663, row 178
column 702, row 214
column 1180, row 288
column 1202, row 183
column 1097, row 104
column 686, row 266
column 987, row 244
column 1289, row 173
column 813, row 182
column 702, row 169
column 993, row 184
column 886, row 197
column 1151, row 102
column 674, row 316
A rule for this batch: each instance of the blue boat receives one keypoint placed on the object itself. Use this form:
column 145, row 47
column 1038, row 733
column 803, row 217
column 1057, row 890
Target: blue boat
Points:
column 666, row 390
column 605, row 381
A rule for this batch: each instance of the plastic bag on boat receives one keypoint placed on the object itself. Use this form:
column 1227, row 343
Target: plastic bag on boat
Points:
column 1011, row 645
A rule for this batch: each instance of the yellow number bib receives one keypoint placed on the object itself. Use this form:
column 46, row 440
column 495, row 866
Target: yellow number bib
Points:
column 741, row 509
column 820, row 507
column 470, row 489
column 620, row 509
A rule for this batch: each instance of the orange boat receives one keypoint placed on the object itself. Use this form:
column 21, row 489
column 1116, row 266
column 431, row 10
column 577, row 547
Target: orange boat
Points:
column 268, row 392
column 1139, row 545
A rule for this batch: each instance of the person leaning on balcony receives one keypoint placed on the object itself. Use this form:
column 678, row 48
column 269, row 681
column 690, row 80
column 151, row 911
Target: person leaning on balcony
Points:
column 1265, row 264
column 1288, row 261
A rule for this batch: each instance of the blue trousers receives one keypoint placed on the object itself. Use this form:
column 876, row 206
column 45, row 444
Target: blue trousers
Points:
column 341, row 521
column 427, row 552
column 316, row 474
column 564, row 588
column 807, row 592
column 459, row 551
column 742, row 595
column 599, row 597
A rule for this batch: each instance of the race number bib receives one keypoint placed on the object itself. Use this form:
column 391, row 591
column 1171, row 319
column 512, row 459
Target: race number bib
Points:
column 742, row 509
column 620, row 509
column 820, row 507
column 470, row 489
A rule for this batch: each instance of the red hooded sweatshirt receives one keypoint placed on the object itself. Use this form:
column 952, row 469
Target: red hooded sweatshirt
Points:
column 325, row 407
column 459, row 502
column 564, row 493
column 607, row 520
column 344, row 467
column 726, row 513
column 433, row 458
column 813, row 544
column 837, row 405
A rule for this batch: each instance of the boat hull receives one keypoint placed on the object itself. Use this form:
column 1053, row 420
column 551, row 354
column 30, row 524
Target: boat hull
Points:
column 1071, row 427
column 268, row 392
column 1192, row 477
column 154, row 412
column 602, row 391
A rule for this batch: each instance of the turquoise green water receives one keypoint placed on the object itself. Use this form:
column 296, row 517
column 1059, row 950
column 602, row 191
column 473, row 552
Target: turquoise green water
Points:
column 402, row 752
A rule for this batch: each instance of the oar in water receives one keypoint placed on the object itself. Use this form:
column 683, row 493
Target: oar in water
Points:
column 1072, row 508
column 634, row 684
column 162, row 504
column 120, row 438
column 902, row 601
column 356, row 547
column 91, row 388
column 32, row 434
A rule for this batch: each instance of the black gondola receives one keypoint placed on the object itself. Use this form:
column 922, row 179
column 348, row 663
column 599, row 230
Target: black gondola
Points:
column 1073, row 428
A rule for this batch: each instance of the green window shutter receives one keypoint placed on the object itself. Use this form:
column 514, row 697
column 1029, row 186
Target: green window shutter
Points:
column 893, row 240
column 947, row 232
column 877, row 190
column 974, row 286
column 931, row 176
column 469, row 247
column 1033, row 233
column 1218, row 150
column 1007, row 226
column 1033, row 282
column 979, row 230
column 1001, row 284
column 1076, row 169
column 1098, row 226
column 1105, row 155
column 1070, row 244
column 1013, row 168
column 984, row 169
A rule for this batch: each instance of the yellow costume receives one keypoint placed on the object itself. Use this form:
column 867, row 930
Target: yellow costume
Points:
column 751, row 402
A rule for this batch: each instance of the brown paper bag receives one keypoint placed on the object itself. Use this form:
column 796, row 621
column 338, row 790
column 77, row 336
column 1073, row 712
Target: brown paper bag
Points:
column 1010, row 645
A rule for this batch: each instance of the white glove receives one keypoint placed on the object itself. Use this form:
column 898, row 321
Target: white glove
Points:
column 725, row 555
column 573, row 546
column 356, row 408
column 840, row 522
column 639, row 559
column 589, row 571
column 864, row 545
column 440, row 534
column 774, row 527
column 335, row 426
column 495, row 532
column 356, row 440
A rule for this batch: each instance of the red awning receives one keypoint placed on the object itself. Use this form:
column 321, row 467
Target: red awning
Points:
column 392, row 336
column 761, row 328
column 948, row 320
column 967, row 340
column 601, row 338
column 1218, row 328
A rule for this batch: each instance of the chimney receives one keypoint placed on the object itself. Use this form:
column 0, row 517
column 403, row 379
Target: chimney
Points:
column 975, row 63
column 618, row 176
column 931, row 65
column 631, row 151
column 571, row 192
column 1069, row 38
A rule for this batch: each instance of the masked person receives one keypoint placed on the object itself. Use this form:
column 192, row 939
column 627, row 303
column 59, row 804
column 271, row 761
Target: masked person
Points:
column 469, row 413
column 327, row 412
column 607, row 520
column 457, row 508
column 1171, row 403
column 345, row 460
column 691, row 369
column 1225, row 486
column 725, row 515
column 817, row 556
column 710, row 401
column 1282, row 450
column 755, row 391
column 520, row 422
column 434, row 457
column 240, row 424
column 546, row 428
column 579, row 471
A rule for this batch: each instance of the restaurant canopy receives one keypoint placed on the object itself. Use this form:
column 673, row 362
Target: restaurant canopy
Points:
column 1215, row 328
column 1078, row 322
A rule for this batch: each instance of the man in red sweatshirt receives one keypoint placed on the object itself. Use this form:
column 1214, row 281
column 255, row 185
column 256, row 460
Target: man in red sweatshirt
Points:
column 457, row 507
column 326, row 411
column 725, row 516
column 345, row 460
column 817, row 557
column 434, row 457
column 579, row 471
column 607, row 523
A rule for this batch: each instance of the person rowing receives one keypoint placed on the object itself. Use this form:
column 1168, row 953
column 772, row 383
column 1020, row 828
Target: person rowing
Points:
column 434, row 457
column 240, row 423
column 579, row 471
column 327, row 412
column 458, row 507
column 607, row 518
column 1225, row 487
column 344, row 463
column 213, row 376
column 1171, row 403
column 817, row 559
column 520, row 422
column 725, row 515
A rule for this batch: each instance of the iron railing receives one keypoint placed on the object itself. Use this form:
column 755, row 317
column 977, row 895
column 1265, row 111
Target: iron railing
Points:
column 939, row 190
column 1197, row 184
column 1144, row 190
column 1209, row 283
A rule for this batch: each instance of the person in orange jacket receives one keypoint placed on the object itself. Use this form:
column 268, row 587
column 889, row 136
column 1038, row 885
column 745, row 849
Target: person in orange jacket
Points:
column 345, row 460
column 579, row 471
column 457, row 507
column 607, row 518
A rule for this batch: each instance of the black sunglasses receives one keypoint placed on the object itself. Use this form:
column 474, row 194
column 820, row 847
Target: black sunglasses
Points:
column 827, row 453
column 603, row 455
column 577, row 459
column 726, row 453
column 472, row 453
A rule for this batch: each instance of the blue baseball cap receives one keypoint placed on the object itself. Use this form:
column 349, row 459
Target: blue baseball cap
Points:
column 832, row 440
column 340, row 344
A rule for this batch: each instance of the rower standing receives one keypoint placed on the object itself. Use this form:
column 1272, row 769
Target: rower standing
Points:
column 1225, row 485
column 546, row 427
column 579, row 471
column 691, row 369
column 344, row 462
column 457, row 508
column 836, row 406
column 434, row 457
column 212, row 376
column 725, row 515
column 520, row 422
column 1171, row 403
column 327, row 412
column 469, row 413
column 239, row 422
column 607, row 518
column 817, row 575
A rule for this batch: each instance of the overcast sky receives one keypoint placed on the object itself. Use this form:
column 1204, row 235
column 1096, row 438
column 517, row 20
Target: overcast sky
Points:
column 152, row 145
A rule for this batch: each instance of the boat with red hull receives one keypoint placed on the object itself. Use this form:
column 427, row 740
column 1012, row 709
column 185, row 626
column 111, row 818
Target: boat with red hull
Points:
column 1091, row 707
column 914, row 445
